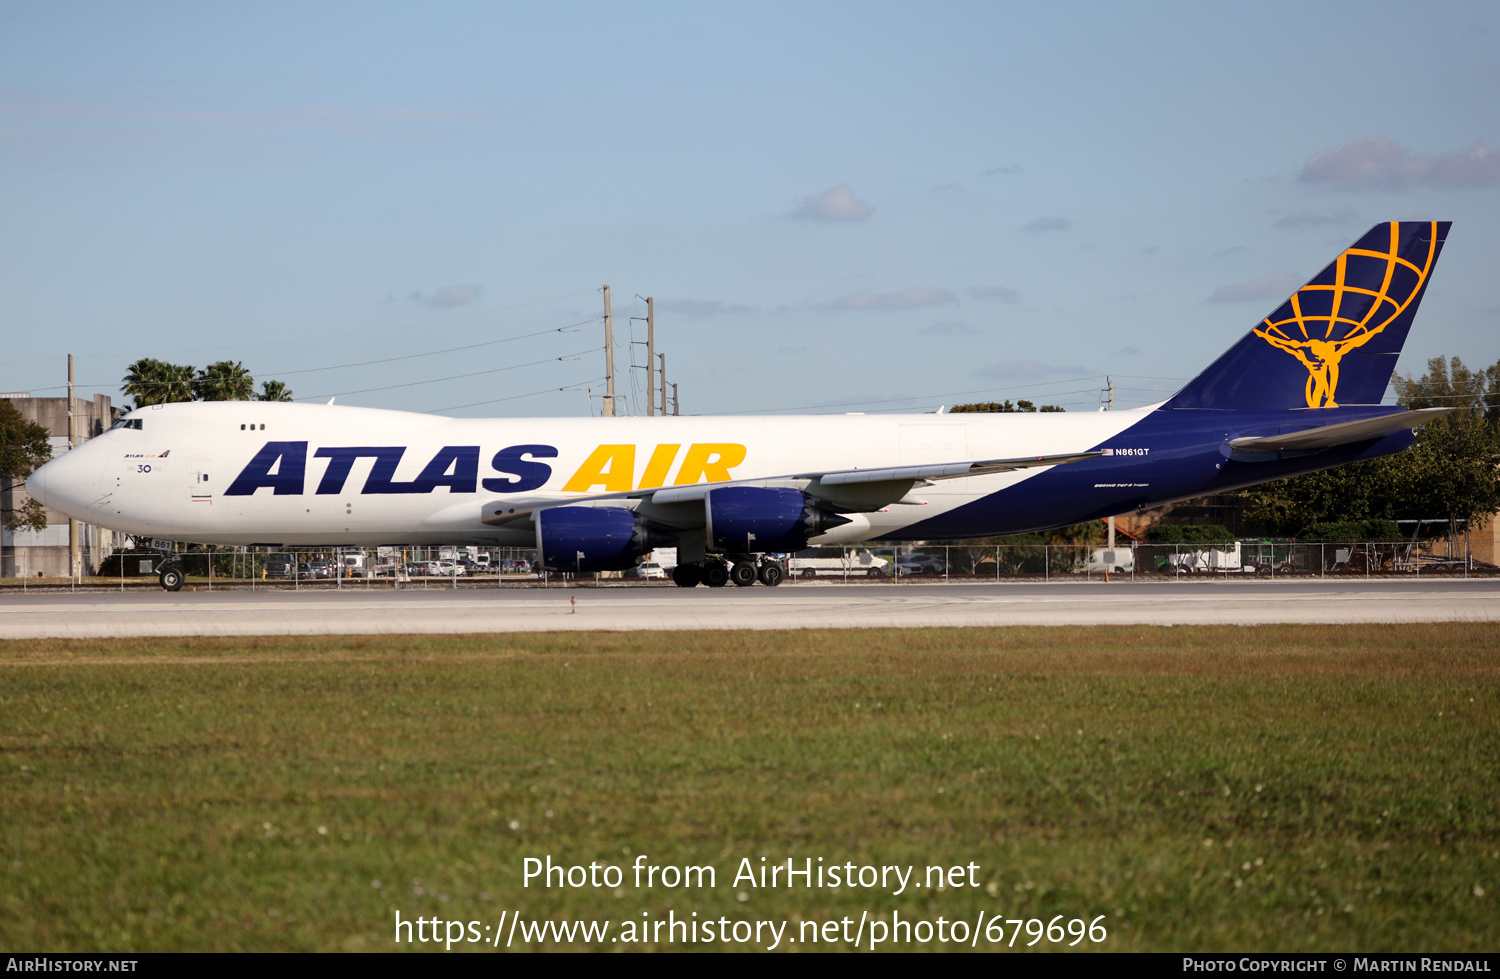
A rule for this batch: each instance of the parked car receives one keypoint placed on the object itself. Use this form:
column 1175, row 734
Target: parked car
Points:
column 912, row 564
column 646, row 569
column 317, row 568
column 280, row 564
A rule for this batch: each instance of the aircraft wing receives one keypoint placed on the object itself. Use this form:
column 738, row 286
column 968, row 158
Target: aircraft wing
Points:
column 946, row 470
column 850, row 490
column 1340, row 433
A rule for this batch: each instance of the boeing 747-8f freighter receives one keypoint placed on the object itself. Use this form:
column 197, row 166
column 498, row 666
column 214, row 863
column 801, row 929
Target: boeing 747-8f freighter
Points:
column 1300, row 392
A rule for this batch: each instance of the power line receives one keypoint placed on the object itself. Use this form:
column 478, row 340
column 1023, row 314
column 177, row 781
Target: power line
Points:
column 337, row 336
column 517, row 397
column 434, row 353
column 455, row 377
column 923, row 397
column 385, row 360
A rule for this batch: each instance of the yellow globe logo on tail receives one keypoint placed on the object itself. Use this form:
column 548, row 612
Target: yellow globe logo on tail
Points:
column 1329, row 319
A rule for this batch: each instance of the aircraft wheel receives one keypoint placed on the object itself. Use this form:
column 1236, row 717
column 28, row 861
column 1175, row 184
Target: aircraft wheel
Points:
column 742, row 574
column 808, row 574
column 171, row 578
column 686, row 575
column 771, row 574
column 715, row 575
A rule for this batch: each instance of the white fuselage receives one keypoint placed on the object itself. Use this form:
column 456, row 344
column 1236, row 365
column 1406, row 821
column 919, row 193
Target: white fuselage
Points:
column 203, row 471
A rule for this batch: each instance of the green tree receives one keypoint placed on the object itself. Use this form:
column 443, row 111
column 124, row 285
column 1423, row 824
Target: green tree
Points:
column 153, row 382
column 227, row 380
column 1452, row 472
column 1002, row 406
column 274, row 391
column 23, row 447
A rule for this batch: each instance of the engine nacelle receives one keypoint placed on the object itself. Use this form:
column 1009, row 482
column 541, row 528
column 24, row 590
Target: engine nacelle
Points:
column 582, row 539
column 751, row 519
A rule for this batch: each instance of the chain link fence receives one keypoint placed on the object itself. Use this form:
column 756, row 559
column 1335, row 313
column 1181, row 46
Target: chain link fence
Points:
column 428, row 567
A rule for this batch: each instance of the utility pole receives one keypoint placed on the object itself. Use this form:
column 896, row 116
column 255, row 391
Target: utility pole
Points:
column 1112, row 408
column 609, row 358
column 676, row 405
column 663, row 383
column 73, row 565
column 650, row 356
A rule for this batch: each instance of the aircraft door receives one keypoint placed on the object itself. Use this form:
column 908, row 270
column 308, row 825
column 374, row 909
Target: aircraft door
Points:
column 200, row 479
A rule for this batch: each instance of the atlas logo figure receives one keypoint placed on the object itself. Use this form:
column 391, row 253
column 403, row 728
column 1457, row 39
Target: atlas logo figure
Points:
column 1330, row 307
column 1321, row 358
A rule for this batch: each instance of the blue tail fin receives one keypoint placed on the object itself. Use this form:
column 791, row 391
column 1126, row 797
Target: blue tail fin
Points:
column 1336, row 340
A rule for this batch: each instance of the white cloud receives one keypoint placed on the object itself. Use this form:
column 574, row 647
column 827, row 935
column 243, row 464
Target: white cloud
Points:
column 1044, row 225
column 701, row 307
column 998, row 294
column 459, row 294
column 864, row 299
column 950, row 328
column 834, row 204
column 1272, row 287
column 1379, row 164
column 1025, row 368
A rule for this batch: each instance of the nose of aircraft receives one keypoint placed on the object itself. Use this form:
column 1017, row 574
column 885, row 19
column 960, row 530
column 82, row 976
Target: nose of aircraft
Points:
column 36, row 486
column 69, row 483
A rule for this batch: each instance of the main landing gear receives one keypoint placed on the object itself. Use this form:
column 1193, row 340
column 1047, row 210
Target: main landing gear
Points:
column 743, row 571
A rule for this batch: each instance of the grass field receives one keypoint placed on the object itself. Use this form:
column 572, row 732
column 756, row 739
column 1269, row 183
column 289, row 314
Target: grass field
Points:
column 1295, row 788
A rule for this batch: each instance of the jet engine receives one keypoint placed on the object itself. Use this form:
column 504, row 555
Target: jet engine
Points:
column 582, row 539
column 756, row 519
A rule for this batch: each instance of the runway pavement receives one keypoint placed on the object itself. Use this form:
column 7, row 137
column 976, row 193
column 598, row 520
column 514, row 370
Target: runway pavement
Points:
column 837, row 606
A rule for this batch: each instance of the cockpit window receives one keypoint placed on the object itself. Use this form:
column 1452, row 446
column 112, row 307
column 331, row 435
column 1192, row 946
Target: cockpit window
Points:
column 134, row 423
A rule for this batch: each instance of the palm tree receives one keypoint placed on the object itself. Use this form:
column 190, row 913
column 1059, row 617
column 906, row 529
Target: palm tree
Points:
column 273, row 391
column 225, row 381
column 151, row 382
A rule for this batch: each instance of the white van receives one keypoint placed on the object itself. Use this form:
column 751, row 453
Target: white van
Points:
column 835, row 562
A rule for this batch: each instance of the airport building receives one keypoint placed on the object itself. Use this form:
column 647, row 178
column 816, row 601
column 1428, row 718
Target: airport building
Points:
column 48, row 552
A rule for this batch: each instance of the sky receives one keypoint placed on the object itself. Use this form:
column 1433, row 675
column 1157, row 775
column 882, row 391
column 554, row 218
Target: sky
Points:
column 837, row 207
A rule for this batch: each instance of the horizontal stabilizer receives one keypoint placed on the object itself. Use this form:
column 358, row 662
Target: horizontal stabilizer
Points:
column 1342, row 433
